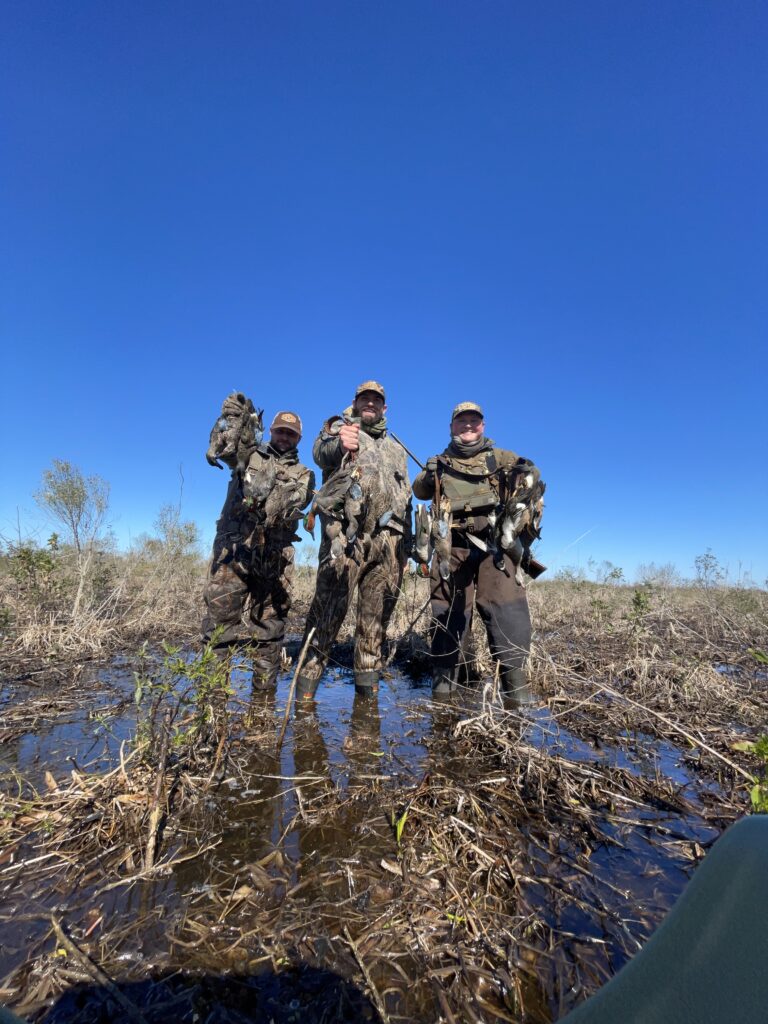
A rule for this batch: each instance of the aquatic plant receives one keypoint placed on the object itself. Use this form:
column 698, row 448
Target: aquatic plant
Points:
column 182, row 692
column 758, row 794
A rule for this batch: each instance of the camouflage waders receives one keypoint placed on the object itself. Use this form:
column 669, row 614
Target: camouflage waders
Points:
column 373, row 561
column 259, row 577
column 376, row 569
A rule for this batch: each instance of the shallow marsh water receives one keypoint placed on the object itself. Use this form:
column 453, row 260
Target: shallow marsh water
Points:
column 259, row 830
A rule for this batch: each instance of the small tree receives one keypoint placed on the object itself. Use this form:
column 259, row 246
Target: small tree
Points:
column 571, row 574
column 709, row 572
column 178, row 539
column 665, row 575
column 605, row 572
column 79, row 504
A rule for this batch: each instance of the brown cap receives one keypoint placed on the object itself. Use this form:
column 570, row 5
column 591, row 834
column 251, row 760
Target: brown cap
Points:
column 466, row 407
column 371, row 385
column 287, row 420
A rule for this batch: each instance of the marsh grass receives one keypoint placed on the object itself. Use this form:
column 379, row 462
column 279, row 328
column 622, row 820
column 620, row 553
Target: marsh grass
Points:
column 516, row 876
column 129, row 597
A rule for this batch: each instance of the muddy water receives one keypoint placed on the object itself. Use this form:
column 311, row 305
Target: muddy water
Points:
column 264, row 805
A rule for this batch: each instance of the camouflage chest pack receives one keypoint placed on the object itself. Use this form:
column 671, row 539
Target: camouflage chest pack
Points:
column 470, row 485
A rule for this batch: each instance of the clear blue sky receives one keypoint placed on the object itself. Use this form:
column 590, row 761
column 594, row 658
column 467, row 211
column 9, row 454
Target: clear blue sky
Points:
column 555, row 209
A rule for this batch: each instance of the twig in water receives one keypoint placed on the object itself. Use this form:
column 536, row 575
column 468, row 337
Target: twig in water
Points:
column 292, row 690
column 156, row 812
column 217, row 759
column 96, row 973
column 368, row 979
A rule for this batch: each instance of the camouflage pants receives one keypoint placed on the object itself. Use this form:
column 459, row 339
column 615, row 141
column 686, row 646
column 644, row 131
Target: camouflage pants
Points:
column 501, row 602
column 376, row 569
column 256, row 577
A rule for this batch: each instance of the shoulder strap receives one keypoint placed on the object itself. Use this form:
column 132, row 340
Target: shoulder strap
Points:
column 458, row 469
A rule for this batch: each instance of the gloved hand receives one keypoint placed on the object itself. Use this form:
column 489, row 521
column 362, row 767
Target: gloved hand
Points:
column 236, row 404
column 238, row 423
column 431, row 468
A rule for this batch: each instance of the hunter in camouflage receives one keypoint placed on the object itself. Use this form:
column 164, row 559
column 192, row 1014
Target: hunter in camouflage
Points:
column 485, row 513
column 364, row 507
column 252, row 561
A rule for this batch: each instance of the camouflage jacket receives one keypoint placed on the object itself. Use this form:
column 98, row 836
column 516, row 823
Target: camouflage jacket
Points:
column 270, row 492
column 383, row 472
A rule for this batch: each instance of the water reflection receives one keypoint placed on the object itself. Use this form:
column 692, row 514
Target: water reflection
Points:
column 363, row 745
column 82, row 721
column 308, row 828
column 322, row 839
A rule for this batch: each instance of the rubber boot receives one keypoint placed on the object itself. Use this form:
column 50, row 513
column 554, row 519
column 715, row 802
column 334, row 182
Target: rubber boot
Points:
column 264, row 674
column 515, row 688
column 306, row 689
column 444, row 683
column 367, row 682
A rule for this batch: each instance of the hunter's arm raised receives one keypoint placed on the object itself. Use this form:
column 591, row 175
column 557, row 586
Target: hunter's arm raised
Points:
column 424, row 484
column 327, row 450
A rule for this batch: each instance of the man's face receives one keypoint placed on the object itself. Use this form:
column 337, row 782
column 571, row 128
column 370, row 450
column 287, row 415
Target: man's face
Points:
column 468, row 427
column 369, row 406
column 282, row 438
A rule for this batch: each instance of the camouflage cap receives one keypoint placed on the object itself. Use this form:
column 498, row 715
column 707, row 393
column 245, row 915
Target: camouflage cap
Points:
column 371, row 385
column 288, row 421
column 466, row 407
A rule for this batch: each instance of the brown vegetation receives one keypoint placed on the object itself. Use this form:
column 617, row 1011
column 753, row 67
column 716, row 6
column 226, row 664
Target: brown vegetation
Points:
column 506, row 880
